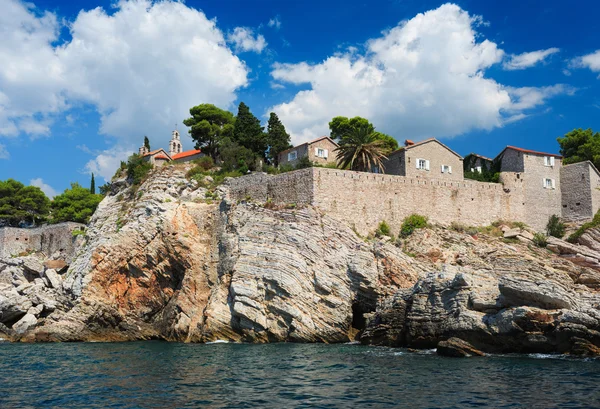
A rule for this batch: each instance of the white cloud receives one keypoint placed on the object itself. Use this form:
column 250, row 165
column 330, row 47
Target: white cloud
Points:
column 244, row 40
column 590, row 61
column 142, row 67
column 423, row 78
column 526, row 60
column 46, row 188
column 275, row 22
column 3, row 152
column 106, row 162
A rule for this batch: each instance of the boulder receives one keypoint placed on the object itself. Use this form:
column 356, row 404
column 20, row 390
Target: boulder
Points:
column 512, row 233
column 33, row 265
column 58, row 265
column 54, row 279
column 583, row 347
column 457, row 348
column 13, row 305
column 24, row 324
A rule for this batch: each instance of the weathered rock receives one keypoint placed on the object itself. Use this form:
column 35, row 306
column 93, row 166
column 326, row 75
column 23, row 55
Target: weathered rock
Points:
column 512, row 233
column 28, row 321
column 54, row 279
column 13, row 305
column 457, row 348
column 583, row 347
column 57, row 265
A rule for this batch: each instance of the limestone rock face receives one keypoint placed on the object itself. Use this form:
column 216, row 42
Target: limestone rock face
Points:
column 161, row 261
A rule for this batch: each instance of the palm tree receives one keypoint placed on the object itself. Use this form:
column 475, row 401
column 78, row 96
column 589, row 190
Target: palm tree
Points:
column 360, row 150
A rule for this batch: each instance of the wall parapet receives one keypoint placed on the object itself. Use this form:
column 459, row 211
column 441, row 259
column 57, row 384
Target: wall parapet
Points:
column 363, row 200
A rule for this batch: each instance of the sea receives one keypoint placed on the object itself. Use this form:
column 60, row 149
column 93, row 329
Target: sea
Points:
column 156, row 374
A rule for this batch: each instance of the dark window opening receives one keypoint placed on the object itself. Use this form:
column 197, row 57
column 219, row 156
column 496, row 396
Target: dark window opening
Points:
column 359, row 321
column 577, row 204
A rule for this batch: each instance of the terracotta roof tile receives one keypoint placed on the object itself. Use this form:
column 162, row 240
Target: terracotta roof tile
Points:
column 530, row 151
column 187, row 154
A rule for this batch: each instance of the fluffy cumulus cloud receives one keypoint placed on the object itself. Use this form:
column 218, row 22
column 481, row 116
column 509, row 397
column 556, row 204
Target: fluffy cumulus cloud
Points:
column 106, row 162
column 590, row 61
column 46, row 188
column 424, row 77
column 244, row 39
column 526, row 60
column 142, row 66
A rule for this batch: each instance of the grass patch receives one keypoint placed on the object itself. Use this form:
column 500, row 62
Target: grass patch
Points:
column 540, row 240
column 383, row 229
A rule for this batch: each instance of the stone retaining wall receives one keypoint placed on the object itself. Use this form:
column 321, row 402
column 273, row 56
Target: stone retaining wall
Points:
column 363, row 200
column 46, row 239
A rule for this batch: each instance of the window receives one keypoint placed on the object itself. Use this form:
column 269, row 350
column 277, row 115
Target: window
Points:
column 549, row 183
column 446, row 169
column 422, row 164
column 293, row 155
column 548, row 160
column 321, row 153
column 479, row 169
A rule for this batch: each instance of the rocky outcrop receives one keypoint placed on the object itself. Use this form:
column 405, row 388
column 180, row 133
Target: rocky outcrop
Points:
column 457, row 348
column 171, row 260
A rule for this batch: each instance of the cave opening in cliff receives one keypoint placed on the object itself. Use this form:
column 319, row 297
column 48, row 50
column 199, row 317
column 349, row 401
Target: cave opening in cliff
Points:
column 359, row 322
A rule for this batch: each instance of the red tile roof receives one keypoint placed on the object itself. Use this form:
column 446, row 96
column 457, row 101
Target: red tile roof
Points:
column 153, row 152
column 187, row 154
column 161, row 157
column 531, row 152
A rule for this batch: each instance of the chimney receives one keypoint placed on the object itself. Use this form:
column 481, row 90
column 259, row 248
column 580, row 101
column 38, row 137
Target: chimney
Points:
column 408, row 142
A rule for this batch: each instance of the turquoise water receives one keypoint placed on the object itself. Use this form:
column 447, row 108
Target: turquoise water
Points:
column 170, row 375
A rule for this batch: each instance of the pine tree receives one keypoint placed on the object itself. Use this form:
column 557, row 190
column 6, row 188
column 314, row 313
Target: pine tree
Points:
column 147, row 143
column 277, row 138
column 93, row 186
column 248, row 132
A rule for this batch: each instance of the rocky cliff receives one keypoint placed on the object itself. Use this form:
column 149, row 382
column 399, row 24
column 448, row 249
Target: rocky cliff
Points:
column 172, row 260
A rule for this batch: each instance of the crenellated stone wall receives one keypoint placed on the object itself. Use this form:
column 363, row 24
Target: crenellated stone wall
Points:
column 363, row 200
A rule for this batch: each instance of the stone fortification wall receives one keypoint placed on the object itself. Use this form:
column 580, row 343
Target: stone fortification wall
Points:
column 363, row 200
column 291, row 187
column 541, row 202
column 46, row 239
column 580, row 191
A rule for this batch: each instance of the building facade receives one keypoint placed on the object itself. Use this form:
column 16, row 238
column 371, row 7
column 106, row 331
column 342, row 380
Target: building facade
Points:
column 159, row 157
column 320, row 151
column 426, row 159
column 580, row 190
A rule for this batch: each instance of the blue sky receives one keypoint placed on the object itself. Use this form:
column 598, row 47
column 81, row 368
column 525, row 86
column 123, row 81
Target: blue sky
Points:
column 82, row 82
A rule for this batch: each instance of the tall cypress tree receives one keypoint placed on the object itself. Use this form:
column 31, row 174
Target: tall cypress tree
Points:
column 93, row 186
column 248, row 132
column 147, row 143
column 277, row 138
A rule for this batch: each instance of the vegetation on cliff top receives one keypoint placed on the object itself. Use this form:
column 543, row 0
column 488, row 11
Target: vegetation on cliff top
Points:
column 580, row 145
column 22, row 204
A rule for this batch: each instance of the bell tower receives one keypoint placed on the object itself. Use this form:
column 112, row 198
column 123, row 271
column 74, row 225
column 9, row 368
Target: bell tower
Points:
column 175, row 144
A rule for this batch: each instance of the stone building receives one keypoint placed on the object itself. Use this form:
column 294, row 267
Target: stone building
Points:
column 427, row 159
column 320, row 151
column 477, row 163
column 580, row 190
column 537, row 175
column 159, row 157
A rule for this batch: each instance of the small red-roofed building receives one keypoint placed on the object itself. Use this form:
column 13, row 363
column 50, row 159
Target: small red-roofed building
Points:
column 159, row 157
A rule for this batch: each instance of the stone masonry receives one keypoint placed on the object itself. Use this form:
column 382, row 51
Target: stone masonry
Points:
column 363, row 200
column 580, row 190
column 46, row 239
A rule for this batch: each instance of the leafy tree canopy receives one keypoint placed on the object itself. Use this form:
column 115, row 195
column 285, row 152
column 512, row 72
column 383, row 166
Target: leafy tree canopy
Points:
column 137, row 168
column 277, row 138
column 248, row 132
column 341, row 126
column 76, row 204
column 20, row 203
column 208, row 126
column 580, row 145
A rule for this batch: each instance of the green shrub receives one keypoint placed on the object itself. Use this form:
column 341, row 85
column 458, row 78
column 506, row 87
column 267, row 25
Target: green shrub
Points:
column 555, row 227
column 205, row 162
column 383, row 229
column 137, row 169
column 76, row 204
column 411, row 223
column 78, row 232
column 540, row 240
column 303, row 163
column 286, row 168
